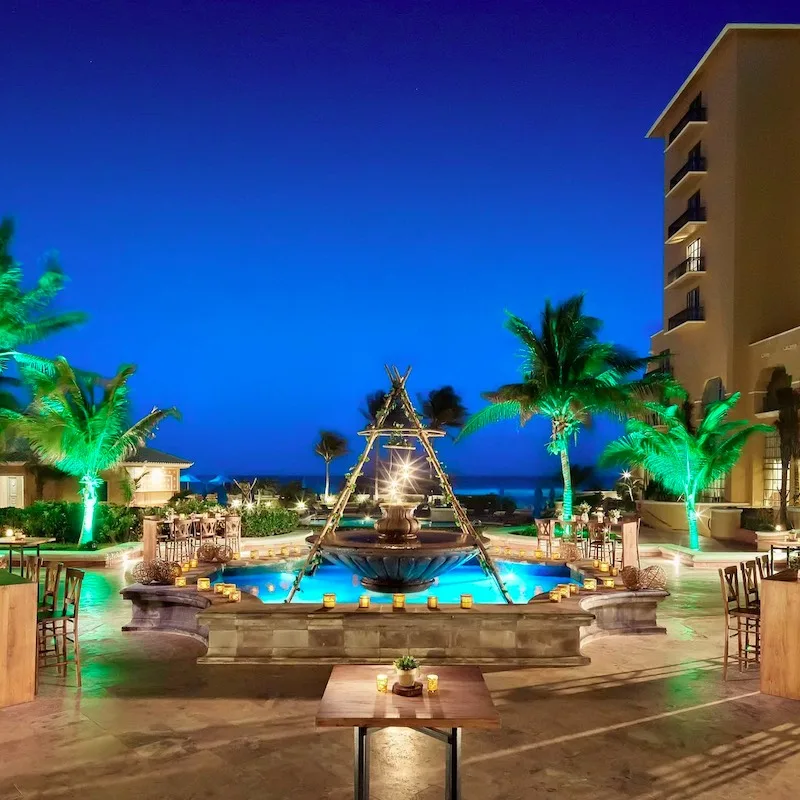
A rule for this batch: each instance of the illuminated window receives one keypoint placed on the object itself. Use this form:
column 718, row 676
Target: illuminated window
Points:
column 772, row 469
column 153, row 479
column 693, row 256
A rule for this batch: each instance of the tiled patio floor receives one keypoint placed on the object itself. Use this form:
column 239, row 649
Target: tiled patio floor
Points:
column 649, row 718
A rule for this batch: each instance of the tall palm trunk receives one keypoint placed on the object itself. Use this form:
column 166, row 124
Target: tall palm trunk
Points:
column 567, row 476
column 89, row 495
column 783, row 514
column 691, row 515
column 327, row 479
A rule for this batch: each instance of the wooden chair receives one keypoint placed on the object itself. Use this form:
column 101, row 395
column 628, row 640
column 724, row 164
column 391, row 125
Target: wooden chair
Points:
column 233, row 532
column 600, row 546
column 31, row 567
column 741, row 622
column 764, row 566
column 750, row 584
column 544, row 535
column 59, row 629
column 52, row 580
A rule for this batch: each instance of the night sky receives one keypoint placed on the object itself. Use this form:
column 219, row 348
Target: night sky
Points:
column 261, row 203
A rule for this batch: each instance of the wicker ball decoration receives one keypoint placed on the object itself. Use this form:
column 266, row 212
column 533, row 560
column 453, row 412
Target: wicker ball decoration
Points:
column 207, row 552
column 631, row 578
column 155, row 571
column 569, row 551
column 224, row 554
column 652, row 578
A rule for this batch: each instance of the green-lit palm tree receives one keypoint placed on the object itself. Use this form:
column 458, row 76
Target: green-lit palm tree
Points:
column 80, row 423
column 685, row 461
column 330, row 445
column 23, row 313
column 568, row 375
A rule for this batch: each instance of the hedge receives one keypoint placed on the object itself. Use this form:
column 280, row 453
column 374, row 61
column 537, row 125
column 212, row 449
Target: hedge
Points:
column 262, row 521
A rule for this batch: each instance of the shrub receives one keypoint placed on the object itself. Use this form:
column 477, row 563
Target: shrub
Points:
column 758, row 519
column 262, row 521
column 114, row 524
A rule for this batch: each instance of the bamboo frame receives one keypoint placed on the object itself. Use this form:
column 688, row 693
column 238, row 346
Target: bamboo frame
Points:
column 373, row 433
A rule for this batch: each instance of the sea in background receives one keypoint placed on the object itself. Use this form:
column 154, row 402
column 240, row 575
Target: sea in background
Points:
column 521, row 489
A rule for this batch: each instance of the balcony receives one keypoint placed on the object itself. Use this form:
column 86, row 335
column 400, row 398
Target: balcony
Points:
column 688, row 314
column 693, row 118
column 686, row 225
column 688, row 175
column 691, row 266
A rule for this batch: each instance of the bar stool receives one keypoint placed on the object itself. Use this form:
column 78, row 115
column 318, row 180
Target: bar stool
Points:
column 750, row 585
column 741, row 622
column 764, row 566
column 31, row 567
column 52, row 580
column 56, row 630
column 544, row 536
column 599, row 544
column 233, row 532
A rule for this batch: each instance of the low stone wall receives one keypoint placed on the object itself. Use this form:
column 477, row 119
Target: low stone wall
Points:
column 536, row 634
column 167, row 609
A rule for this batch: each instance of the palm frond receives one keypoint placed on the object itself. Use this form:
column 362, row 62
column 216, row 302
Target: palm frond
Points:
column 496, row 412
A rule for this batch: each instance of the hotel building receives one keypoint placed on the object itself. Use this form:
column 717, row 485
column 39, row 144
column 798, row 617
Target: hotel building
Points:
column 731, row 314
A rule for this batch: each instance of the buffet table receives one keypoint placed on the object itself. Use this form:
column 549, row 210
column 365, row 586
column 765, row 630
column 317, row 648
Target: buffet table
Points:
column 780, row 634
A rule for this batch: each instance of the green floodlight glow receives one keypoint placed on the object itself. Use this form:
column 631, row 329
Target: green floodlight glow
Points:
column 684, row 460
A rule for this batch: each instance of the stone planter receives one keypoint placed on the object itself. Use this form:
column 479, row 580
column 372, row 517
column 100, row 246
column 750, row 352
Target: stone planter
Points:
column 406, row 677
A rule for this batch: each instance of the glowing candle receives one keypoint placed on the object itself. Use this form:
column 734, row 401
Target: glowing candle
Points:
column 563, row 588
column 398, row 601
column 556, row 555
column 539, row 554
column 235, row 596
column 615, row 571
column 237, row 555
column 329, row 600
column 284, row 551
column 555, row 596
column 227, row 588
column 596, row 563
column 608, row 583
column 382, row 683
column 466, row 601
column 573, row 588
column 193, row 563
column 604, row 566
column 363, row 601
column 590, row 584
column 219, row 588
column 433, row 683
column 523, row 554
column 254, row 554
column 180, row 580
column 185, row 567
column 270, row 554
column 433, row 601
column 204, row 584
column 9, row 533
column 506, row 551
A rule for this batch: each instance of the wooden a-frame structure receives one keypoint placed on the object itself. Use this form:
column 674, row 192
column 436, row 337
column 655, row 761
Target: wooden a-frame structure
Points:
column 398, row 396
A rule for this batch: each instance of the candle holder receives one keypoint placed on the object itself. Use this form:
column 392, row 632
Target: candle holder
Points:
column 596, row 563
column 193, row 563
column 235, row 596
column 237, row 555
column 563, row 588
column 382, row 683
column 270, row 554
column 573, row 588
column 219, row 588
column 329, row 600
column 398, row 601
column 614, row 571
column 433, row 683
column 466, row 601
column 180, row 580
column 604, row 566
column 556, row 555
column 554, row 595
column 227, row 589
column 253, row 554
column 204, row 584
column 185, row 567
column 607, row 583
column 539, row 555
column 433, row 601
column 363, row 601
column 590, row 584
column 284, row 551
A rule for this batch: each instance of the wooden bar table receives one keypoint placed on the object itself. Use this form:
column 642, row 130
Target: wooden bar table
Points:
column 22, row 544
column 351, row 700
column 780, row 634
column 18, row 600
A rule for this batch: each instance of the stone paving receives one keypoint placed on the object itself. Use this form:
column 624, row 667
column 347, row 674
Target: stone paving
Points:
column 649, row 718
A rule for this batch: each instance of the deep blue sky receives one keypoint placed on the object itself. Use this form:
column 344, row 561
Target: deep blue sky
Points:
column 261, row 203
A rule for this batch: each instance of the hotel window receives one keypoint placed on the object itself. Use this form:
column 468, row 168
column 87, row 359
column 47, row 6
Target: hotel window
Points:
column 772, row 469
column 693, row 298
column 714, row 492
column 693, row 256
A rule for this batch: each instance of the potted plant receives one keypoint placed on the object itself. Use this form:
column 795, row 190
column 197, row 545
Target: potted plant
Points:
column 406, row 667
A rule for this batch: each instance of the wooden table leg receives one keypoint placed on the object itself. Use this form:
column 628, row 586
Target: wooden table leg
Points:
column 361, row 764
column 452, row 778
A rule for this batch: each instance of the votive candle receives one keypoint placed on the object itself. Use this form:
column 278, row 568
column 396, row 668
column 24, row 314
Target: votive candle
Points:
column 237, row 555
column 433, row 601
column 539, row 554
column 596, row 563
column 608, row 583
column 185, row 567
column 219, row 588
column 573, row 588
column 382, row 683
column 604, row 566
column 193, row 563
column 556, row 555
column 398, row 601
column 254, row 554
column 270, row 554
column 466, row 601
column 555, row 596
column 329, row 600
column 227, row 588
column 203, row 584
column 433, row 683
column 363, row 601
column 235, row 596
column 180, row 580
column 590, row 584
column 615, row 571
column 563, row 588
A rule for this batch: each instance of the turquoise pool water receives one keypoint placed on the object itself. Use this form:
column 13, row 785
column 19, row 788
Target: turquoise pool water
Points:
column 522, row 581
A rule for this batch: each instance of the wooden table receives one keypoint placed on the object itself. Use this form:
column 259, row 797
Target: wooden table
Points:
column 788, row 547
column 18, row 600
column 780, row 634
column 351, row 700
column 26, row 543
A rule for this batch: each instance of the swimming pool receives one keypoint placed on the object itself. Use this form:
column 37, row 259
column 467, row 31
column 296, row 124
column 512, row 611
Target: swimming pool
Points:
column 523, row 581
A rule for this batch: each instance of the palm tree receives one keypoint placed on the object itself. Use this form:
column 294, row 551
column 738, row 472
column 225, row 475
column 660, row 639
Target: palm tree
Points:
column 80, row 424
column 23, row 317
column 331, row 445
column 443, row 409
column 684, row 461
column 568, row 375
column 788, row 427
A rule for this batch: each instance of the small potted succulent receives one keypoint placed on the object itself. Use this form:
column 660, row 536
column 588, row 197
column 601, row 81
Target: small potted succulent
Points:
column 406, row 667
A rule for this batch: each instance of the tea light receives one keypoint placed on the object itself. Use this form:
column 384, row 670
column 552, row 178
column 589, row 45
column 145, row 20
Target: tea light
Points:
column 235, row 596
column 563, row 588
column 590, row 584
column 596, row 563
column 433, row 601
column 466, row 601
column 254, row 554
column 506, row 551
column 237, row 555
column 204, row 584
column 523, row 554
column 270, row 554
column 227, row 588
column 556, row 555
column 615, row 571
column 180, row 580
column 9, row 533
column 398, row 601
column 604, row 566
column 284, row 551
column 329, row 600
column 607, row 583
column 539, row 554
column 382, row 683
column 193, row 563
column 555, row 596
column 433, row 683
column 219, row 588
column 185, row 567
column 573, row 588
column 363, row 601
